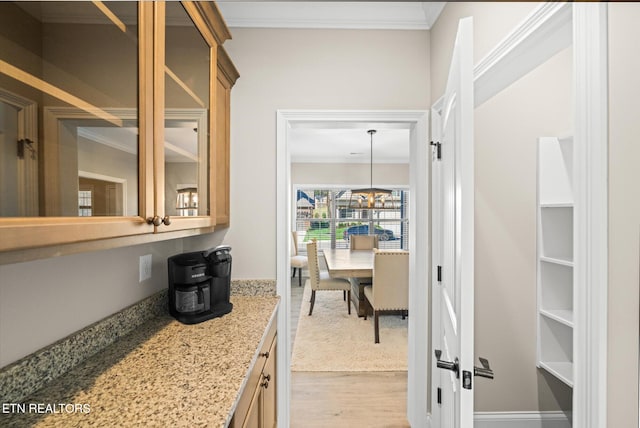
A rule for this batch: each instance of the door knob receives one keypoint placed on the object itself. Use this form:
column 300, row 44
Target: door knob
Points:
column 485, row 370
column 448, row 365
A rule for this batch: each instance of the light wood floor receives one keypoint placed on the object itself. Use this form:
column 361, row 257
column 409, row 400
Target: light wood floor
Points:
column 344, row 399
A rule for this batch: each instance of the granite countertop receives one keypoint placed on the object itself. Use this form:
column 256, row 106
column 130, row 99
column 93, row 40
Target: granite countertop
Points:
column 163, row 374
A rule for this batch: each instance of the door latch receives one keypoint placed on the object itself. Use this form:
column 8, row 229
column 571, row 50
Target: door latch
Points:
column 485, row 370
column 438, row 147
column 448, row 365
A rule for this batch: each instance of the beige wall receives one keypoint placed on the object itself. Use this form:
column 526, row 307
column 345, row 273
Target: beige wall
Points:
column 305, row 69
column 624, row 214
column 506, row 129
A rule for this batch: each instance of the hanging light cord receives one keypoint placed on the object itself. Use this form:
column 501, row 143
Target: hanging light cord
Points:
column 371, row 132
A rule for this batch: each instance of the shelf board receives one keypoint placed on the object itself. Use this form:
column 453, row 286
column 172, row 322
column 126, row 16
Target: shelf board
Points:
column 557, row 261
column 561, row 370
column 564, row 316
column 556, row 205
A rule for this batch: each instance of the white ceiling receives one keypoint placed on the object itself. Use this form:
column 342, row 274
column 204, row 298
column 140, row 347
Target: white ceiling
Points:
column 335, row 142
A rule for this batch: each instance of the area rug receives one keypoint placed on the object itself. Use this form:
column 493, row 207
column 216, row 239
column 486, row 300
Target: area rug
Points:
column 332, row 340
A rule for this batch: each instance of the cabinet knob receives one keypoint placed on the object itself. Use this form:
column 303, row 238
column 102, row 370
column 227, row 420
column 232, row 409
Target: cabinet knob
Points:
column 267, row 377
column 155, row 220
column 265, row 354
column 265, row 384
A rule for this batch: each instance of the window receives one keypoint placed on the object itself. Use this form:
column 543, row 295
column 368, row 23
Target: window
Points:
column 324, row 214
column 84, row 203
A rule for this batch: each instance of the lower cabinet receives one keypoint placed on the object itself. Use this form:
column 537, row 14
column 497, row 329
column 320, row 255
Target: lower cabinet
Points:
column 257, row 405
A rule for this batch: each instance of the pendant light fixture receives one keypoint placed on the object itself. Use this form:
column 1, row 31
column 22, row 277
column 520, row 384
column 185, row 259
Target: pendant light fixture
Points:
column 371, row 198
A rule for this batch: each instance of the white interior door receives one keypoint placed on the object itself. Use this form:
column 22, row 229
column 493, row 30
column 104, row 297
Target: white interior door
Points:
column 453, row 241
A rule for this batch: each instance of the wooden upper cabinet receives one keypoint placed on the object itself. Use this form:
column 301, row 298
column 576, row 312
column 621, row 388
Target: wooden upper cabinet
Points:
column 108, row 121
column 227, row 76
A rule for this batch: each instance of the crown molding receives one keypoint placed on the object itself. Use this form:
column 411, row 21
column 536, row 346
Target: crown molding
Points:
column 331, row 15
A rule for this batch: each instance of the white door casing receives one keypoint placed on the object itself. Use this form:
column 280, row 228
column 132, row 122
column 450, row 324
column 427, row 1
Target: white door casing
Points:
column 454, row 247
column 417, row 122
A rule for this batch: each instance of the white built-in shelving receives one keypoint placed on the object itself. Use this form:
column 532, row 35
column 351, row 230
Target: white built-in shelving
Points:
column 555, row 257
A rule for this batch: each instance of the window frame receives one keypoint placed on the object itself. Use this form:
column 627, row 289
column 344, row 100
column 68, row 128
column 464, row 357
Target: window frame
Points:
column 401, row 240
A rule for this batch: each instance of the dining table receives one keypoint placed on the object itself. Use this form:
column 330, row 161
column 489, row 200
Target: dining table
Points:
column 355, row 265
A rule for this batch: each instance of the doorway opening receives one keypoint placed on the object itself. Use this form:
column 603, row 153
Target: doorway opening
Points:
column 415, row 122
column 100, row 195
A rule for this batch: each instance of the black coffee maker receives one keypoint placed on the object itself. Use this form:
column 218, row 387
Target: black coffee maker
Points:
column 200, row 284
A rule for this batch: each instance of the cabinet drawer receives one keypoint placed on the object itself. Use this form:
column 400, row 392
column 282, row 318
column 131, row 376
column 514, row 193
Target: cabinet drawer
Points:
column 253, row 379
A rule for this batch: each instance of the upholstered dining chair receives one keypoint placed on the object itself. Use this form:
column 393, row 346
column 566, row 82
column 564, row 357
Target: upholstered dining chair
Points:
column 297, row 261
column 363, row 242
column 321, row 280
column 390, row 289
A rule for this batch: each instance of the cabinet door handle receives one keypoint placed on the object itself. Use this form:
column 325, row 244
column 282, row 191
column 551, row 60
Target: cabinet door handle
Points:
column 155, row 220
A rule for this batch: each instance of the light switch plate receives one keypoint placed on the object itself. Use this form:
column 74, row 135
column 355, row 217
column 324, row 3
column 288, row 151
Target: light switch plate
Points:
column 145, row 267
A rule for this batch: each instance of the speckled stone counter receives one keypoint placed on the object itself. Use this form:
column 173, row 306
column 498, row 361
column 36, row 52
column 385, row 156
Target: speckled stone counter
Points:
column 164, row 374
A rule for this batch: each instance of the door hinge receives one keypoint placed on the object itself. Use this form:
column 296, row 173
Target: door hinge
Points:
column 439, row 395
column 438, row 146
column 439, row 273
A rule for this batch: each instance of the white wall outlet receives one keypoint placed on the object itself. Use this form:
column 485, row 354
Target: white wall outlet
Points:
column 145, row 267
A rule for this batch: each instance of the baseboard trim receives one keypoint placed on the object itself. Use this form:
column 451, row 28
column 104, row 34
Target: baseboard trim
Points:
column 522, row 420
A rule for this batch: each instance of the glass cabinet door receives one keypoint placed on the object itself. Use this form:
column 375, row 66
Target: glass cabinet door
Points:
column 68, row 109
column 106, row 111
column 185, row 194
column 70, row 120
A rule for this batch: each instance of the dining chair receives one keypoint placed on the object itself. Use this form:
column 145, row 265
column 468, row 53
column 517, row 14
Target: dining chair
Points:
column 390, row 289
column 297, row 261
column 321, row 280
column 363, row 242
